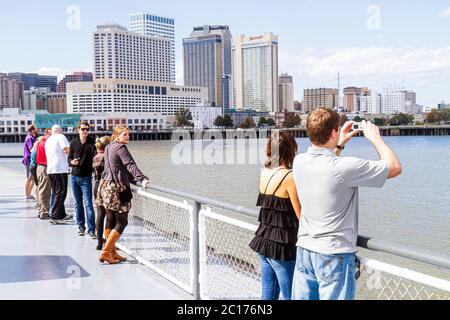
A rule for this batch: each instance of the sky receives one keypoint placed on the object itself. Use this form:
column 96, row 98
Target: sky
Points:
column 376, row 44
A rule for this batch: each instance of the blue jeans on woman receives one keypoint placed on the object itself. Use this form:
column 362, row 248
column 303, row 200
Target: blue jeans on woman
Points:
column 276, row 276
column 82, row 192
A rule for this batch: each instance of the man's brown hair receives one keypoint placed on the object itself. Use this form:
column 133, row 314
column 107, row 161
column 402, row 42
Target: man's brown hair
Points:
column 31, row 128
column 84, row 123
column 281, row 149
column 320, row 124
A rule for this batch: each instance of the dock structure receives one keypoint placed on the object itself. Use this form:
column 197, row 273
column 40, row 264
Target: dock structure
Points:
column 164, row 135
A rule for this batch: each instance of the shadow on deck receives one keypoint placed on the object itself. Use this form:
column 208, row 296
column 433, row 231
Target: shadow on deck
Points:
column 39, row 260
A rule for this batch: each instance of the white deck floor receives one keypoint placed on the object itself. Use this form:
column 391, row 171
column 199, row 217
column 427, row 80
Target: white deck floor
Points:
column 43, row 261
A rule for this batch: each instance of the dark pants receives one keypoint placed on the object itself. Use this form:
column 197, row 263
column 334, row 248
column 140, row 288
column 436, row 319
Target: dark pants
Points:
column 101, row 215
column 59, row 188
column 116, row 221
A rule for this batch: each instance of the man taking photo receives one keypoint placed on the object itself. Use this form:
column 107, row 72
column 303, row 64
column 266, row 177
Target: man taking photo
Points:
column 327, row 187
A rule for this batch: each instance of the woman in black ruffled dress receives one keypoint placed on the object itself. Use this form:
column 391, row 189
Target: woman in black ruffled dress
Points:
column 276, row 236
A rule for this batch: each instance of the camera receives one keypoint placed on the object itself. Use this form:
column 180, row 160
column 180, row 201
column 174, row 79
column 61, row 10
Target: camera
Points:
column 357, row 126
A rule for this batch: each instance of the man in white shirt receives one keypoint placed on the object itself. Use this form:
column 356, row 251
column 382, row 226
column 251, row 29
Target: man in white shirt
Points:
column 56, row 150
column 327, row 186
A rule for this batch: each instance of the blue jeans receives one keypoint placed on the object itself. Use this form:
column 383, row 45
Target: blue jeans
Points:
column 276, row 276
column 52, row 200
column 82, row 193
column 324, row 276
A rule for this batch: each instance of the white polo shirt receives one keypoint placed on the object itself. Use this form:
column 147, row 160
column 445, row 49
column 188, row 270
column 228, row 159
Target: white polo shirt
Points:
column 327, row 187
column 56, row 159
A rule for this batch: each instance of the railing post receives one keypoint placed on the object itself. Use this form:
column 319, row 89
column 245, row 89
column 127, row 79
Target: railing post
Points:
column 195, row 250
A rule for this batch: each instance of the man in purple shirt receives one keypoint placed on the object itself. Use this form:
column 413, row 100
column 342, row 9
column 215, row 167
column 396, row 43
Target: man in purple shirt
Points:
column 29, row 141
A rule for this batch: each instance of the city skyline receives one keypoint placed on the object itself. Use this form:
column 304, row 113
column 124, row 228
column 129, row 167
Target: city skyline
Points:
column 370, row 45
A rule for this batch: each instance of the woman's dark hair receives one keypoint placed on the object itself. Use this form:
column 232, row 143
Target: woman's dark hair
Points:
column 281, row 150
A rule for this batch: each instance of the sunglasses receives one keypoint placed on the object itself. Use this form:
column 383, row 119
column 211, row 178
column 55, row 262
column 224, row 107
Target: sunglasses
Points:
column 84, row 129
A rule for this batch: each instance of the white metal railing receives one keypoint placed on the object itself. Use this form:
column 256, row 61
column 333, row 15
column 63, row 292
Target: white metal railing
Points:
column 221, row 264
column 159, row 235
column 228, row 267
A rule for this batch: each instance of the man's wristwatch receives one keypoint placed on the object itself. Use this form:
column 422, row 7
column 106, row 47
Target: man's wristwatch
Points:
column 340, row 147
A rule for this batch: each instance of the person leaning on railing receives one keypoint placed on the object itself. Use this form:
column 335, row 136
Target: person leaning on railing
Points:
column 114, row 190
column 276, row 235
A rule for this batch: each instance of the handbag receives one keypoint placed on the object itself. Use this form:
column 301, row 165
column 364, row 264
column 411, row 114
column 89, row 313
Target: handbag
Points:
column 125, row 194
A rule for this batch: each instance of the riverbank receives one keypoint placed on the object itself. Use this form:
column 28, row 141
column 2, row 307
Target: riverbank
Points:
column 165, row 135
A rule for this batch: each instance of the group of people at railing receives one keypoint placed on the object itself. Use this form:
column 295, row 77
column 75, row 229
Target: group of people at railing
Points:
column 308, row 220
column 306, row 239
column 48, row 160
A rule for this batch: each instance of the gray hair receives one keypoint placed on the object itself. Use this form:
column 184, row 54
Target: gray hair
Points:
column 56, row 129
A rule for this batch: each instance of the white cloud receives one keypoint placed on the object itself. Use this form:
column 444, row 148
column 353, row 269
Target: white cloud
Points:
column 445, row 13
column 365, row 61
column 56, row 71
column 374, row 66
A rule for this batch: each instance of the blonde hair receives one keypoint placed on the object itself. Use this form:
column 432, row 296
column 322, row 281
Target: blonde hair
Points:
column 101, row 143
column 118, row 131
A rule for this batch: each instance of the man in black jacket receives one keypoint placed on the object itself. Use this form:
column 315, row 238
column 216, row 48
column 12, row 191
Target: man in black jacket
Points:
column 82, row 151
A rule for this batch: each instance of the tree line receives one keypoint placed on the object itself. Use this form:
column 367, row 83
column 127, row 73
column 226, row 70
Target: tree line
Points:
column 183, row 118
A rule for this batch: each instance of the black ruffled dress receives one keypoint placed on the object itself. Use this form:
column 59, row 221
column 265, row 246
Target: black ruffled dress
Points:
column 277, row 232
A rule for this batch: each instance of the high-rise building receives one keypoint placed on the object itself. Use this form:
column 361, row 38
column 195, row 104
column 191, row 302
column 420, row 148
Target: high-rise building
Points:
column 411, row 107
column 227, row 92
column 156, row 26
column 75, row 77
column 320, row 97
column 119, row 54
column 35, row 99
column 351, row 98
column 389, row 101
column 131, row 75
column 255, row 72
column 10, row 92
column 202, row 57
column 225, row 36
column 394, row 100
column 56, row 102
column 286, row 92
column 123, row 96
column 47, row 82
column 35, row 80
column 369, row 101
